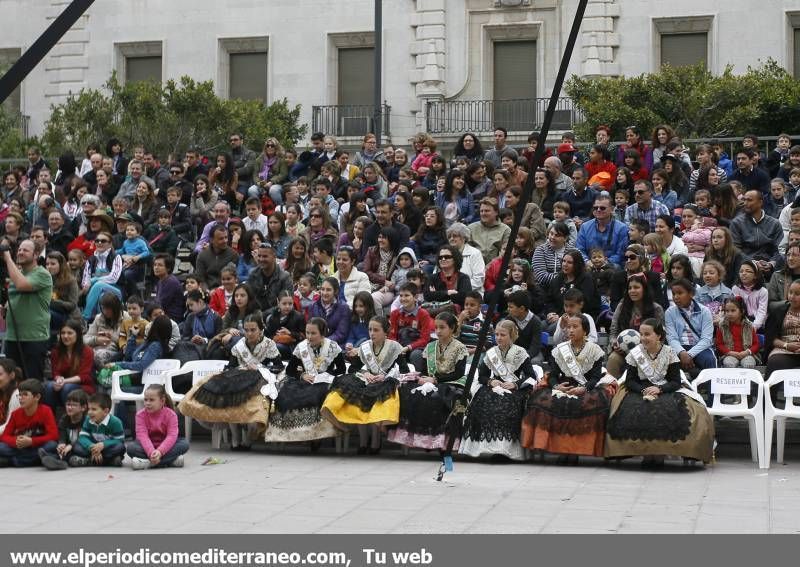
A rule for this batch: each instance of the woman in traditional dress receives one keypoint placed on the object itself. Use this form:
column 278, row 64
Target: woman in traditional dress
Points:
column 568, row 410
column 296, row 413
column 425, row 403
column 654, row 413
column 233, row 398
column 492, row 424
column 367, row 395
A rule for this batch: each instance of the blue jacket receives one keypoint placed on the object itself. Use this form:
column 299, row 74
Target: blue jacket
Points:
column 466, row 211
column 726, row 164
column 140, row 356
column 701, row 320
column 589, row 237
column 136, row 247
column 338, row 322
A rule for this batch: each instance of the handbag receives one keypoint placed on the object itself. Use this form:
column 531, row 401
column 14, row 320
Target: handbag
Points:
column 435, row 307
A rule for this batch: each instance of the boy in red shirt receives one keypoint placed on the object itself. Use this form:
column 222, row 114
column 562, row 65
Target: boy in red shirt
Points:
column 30, row 428
column 411, row 326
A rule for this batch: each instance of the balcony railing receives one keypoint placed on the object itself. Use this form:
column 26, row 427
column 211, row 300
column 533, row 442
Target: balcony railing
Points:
column 516, row 115
column 21, row 122
column 349, row 120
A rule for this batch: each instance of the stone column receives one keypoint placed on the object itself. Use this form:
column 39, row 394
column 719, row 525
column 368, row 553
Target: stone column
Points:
column 599, row 39
column 67, row 63
column 428, row 49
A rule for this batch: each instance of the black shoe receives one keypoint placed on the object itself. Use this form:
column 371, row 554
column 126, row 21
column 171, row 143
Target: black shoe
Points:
column 5, row 462
column 315, row 445
column 562, row 460
column 573, row 460
column 362, row 451
column 374, row 450
column 52, row 463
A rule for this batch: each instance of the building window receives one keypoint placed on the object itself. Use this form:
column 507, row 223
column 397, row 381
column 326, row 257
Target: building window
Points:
column 9, row 56
column 355, row 90
column 140, row 61
column 794, row 43
column 514, row 80
column 683, row 41
column 796, row 33
column 682, row 49
column 244, row 68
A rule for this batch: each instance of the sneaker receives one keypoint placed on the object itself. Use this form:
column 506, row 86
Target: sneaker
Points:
column 177, row 463
column 115, row 462
column 52, row 463
column 5, row 462
column 139, row 464
column 76, row 461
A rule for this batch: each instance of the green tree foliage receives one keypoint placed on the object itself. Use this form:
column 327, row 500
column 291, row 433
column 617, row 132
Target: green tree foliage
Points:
column 764, row 100
column 166, row 118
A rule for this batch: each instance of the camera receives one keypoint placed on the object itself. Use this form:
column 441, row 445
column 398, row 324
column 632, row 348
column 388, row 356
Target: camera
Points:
column 4, row 247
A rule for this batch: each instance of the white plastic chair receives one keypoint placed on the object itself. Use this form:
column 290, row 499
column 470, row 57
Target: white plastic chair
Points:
column 773, row 414
column 153, row 374
column 199, row 369
column 754, row 415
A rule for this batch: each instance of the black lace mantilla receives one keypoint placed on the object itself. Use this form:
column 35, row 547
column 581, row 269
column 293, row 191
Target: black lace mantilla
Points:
column 364, row 396
column 295, row 419
column 664, row 419
column 297, row 394
column 230, row 389
column 494, row 417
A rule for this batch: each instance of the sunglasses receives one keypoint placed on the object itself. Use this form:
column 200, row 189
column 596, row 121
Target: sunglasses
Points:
column 445, row 257
column 599, row 208
column 269, row 145
column 315, row 216
column 640, row 192
column 175, row 172
column 102, row 241
column 631, row 257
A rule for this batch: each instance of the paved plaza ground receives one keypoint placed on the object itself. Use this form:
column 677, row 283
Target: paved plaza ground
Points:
column 293, row 491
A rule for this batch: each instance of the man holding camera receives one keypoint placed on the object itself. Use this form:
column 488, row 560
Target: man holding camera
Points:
column 27, row 312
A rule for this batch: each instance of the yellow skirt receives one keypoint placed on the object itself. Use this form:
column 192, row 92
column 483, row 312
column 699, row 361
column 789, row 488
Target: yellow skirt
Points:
column 342, row 413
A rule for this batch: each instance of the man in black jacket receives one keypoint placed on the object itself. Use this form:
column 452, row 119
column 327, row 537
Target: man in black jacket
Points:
column 268, row 280
column 383, row 218
column 243, row 160
column 58, row 236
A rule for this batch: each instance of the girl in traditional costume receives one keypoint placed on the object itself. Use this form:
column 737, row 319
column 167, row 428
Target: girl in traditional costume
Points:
column 367, row 395
column 425, row 403
column 492, row 424
column 568, row 410
column 295, row 412
column 654, row 413
column 234, row 398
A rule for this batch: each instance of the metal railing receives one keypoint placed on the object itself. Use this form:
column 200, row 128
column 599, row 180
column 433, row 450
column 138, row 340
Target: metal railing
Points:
column 516, row 115
column 21, row 122
column 349, row 120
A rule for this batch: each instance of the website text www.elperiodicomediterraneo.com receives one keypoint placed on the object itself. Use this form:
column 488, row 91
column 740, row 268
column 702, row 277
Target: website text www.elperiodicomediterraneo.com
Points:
column 214, row 557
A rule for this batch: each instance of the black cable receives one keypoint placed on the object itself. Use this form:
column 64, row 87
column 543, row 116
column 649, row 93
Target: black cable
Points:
column 455, row 420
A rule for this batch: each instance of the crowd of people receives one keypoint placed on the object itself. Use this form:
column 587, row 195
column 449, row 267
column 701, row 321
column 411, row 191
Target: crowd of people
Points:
column 347, row 291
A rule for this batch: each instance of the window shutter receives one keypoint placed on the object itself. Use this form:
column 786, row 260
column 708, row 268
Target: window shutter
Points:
column 514, row 82
column 248, row 76
column 143, row 69
column 684, row 49
column 356, row 75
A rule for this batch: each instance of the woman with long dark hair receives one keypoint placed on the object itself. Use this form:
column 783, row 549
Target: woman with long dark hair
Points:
column 572, row 274
column 72, row 363
column 448, row 283
column 203, row 200
column 723, row 250
column 455, row 201
column 379, row 264
column 544, row 191
column 468, row 146
column 406, row 212
column 332, row 309
column 297, row 260
column 226, row 180
column 10, row 376
column 64, row 304
column 478, row 184
column 634, row 141
column 726, row 204
column 430, row 237
column 636, row 306
column 277, row 237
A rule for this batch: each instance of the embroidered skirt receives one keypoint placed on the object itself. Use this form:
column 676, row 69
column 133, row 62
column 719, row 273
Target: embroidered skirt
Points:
column 492, row 424
column 565, row 425
column 353, row 402
column 296, row 413
column 672, row 424
column 423, row 416
column 233, row 396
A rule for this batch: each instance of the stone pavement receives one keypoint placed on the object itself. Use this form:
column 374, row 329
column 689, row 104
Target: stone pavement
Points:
column 293, row 491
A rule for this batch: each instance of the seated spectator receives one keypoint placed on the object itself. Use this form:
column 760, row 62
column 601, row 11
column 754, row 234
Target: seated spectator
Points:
column 168, row 291
column 757, row 234
column 529, row 325
column 637, row 305
column 448, row 283
column 532, row 218
column 572, row 275
column 603, row 232
column 722, row 249
column 645, row 207
column 10, row 376
column 678, row 267
column 351, row 280
column 133, row 318
column 134, row 253
column 735, row 338
column 636, row 262
column 64, row 304
column 214, row 257
column 71, row 362
column 334, row 310
column 455, row 201
column 783, row 333
column 202, row 324
column 713, row 293
column 573, row 307
column 31, row 427
column 779, row 283
column 470, row 321
column 379, row 264
column 544, row 191
column 561, row 213
column 750, row 286
column 776, row 200
column 101, row 274
column 69, row 429
column 161, row 238
column 411, row 326
column 429, row 238
column 547, row 257
column 103, row 333
column 662, row 192
column 690, row 329
column 102, row 439
column 285, row 325
column 157, row 441
column 696, row 236
column 488, row 234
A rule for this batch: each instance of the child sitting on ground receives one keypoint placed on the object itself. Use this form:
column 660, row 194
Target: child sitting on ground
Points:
column 101, row 441
column 31, row 427
column 157, row 443
column 69, row 428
